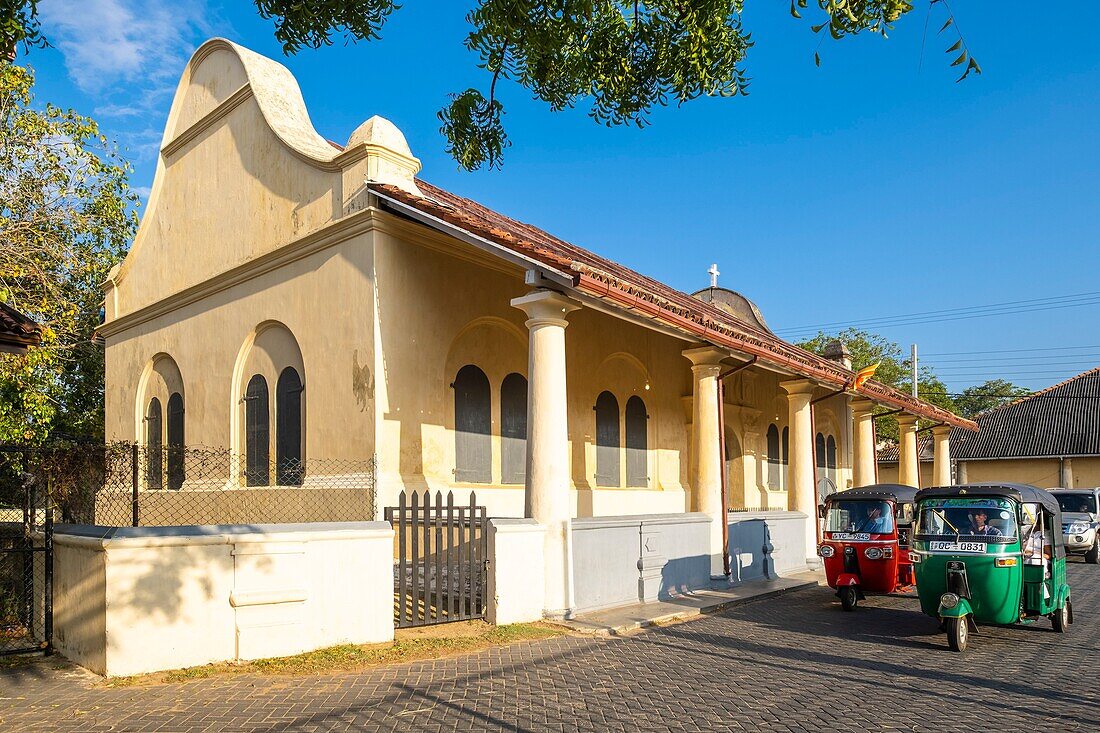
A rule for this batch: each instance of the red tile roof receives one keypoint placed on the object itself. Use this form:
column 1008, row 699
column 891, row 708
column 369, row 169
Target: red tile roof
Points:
column 610, row 281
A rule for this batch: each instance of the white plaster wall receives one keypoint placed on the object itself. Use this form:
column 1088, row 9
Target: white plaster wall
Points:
column 173, row 597
column 515, row 577
column 767, row 544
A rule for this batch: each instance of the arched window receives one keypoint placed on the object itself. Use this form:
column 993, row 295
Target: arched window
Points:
column 154, row 444
column 786, row 457
column 830, row 459
column 637, row 443
column 175, row 441
column 607, row 440
column 257, row 432
column 289, row 469
column 513, row 429
column 819, row 454
column 775, row 461
column 473, row 422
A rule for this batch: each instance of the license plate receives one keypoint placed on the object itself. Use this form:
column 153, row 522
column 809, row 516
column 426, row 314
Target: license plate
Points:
column 850, row 536
column 976, row 547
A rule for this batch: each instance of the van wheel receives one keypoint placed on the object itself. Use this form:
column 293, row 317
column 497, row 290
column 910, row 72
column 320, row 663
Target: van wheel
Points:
column 848, row 598
column 958, row 634
column 1061, row 618
column 1093, row 555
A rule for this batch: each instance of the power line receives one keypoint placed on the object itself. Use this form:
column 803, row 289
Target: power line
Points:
column 1006, row 351
column 955, row 314
column 1041, row 359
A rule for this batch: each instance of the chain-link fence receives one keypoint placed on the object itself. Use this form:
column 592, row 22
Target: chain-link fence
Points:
column 24, row 521
column 123, row 484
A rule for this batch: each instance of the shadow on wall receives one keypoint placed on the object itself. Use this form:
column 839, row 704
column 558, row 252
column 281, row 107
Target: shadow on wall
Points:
column 751, row 550
column 683, row 575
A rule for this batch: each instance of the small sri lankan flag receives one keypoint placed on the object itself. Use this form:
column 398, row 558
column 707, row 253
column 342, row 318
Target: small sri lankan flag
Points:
column 864, row 374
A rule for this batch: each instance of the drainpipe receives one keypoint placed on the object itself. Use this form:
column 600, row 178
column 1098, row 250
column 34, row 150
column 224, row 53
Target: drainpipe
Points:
column 722, row 453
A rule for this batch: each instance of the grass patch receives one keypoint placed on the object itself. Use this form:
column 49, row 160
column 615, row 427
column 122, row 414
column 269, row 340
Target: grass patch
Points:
column 409, row 646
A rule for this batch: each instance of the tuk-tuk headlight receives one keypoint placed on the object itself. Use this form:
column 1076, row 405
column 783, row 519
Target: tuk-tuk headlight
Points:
column 826, row 550
column 873, row 553
column 914, row 557
column 949, row 600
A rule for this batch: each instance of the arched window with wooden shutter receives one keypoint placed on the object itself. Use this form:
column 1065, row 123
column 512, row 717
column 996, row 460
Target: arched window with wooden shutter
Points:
column 473, row 423
column 607, row 440
column 513, row 429
column 257, row 433
column 819, row 454
column 775, row 465
column 289, row 469
column 154, row 445
column 637, row 443
column 830, row 459
column 785, row 472
column 175, row 442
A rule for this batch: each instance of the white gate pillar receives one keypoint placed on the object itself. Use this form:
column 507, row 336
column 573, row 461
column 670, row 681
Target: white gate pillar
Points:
column 547, row 480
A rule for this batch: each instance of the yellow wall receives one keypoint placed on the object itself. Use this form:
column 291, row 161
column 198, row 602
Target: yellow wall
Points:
column 888, row 473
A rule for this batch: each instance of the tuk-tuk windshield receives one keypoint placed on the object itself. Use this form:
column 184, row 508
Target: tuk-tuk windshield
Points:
column 989, row 520
column 860, row 515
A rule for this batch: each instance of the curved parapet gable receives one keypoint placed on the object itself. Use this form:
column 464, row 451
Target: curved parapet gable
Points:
column 241, row 173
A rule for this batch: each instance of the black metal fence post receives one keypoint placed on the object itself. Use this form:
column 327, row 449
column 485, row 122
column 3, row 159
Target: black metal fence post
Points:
column 47, row 577
column 134, row 482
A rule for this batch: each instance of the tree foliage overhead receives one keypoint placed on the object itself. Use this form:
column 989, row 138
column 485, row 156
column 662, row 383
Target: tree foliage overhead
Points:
column 66, row 217
column 620, row 59
column 992, row 393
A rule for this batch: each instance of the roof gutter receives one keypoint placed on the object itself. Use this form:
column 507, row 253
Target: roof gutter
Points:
column 557, row 277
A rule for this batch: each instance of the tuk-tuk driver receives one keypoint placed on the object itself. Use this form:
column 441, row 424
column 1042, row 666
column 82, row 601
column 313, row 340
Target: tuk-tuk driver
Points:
column 874, row 522
column 978, row 523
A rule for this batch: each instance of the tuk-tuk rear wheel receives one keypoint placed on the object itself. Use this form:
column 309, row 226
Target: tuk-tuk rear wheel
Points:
column 848, row 598
column 1060, row 619
column 958, row 634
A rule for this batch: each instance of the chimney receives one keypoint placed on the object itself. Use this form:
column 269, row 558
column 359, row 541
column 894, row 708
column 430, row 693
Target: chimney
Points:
column 838, row 352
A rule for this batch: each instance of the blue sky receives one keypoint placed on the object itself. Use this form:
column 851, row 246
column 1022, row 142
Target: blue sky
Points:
column 870, row 187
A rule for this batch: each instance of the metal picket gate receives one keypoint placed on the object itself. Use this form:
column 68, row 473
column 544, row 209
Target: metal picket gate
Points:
column 439, row 559
column 26, row 557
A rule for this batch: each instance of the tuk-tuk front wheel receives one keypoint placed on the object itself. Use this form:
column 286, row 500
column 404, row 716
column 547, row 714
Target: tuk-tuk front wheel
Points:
column 958, row 633
column 849, row 597
column 1060, row 619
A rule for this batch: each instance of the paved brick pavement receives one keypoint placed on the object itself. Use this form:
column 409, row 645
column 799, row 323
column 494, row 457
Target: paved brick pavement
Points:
column 793, row 663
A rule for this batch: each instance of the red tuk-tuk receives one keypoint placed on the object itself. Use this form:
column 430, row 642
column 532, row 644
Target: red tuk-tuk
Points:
column 865, row 541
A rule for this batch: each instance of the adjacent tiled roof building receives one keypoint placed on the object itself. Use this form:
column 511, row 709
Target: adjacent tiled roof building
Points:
column 1059, row 421
column 17, row 332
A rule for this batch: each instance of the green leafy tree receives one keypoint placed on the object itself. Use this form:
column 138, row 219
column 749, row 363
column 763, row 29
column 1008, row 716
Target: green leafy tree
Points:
column 66, row 217
column 986, row 396
column 619, row 59
column 894, row 370
column 19, row 26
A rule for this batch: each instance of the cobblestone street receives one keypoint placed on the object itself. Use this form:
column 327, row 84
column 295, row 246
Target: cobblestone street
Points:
column 792, row 663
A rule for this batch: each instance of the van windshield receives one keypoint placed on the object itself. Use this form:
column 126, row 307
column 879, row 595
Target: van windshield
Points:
column 1077, row 502
column 988, row 520
column 873, row 517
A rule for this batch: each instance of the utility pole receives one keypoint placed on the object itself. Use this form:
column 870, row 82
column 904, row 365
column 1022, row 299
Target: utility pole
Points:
column 913, row 358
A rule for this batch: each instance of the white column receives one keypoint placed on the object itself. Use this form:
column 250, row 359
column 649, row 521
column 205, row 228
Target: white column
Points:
column 941, row 459
column 706, row 457
column 863, row 443
column 801, row 492
column 547, row 485
column 961, row 470
column 908, row 460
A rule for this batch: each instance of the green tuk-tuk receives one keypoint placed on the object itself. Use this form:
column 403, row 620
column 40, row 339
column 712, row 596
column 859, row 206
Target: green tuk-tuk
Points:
column 989, row 554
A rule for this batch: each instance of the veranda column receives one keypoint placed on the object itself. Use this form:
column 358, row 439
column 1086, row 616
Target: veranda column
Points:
column 941, row 459
column 863, row 443
column 547, row 482
column 908, row 463
column 802, row 494
column 706, row 464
